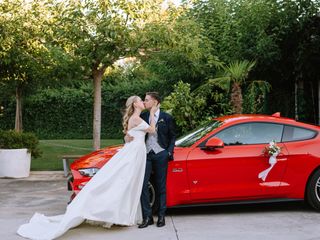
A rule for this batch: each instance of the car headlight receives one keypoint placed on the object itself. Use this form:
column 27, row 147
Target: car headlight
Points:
column 88, row 172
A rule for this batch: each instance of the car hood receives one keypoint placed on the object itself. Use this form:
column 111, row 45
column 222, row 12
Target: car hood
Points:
column 100, row 157
column 96, row 159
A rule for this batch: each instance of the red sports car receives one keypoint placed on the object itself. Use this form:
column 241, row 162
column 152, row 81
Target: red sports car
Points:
column 219, row 163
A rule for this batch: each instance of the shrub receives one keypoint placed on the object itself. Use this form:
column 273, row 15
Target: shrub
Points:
column 186, row 108
column 15, row 140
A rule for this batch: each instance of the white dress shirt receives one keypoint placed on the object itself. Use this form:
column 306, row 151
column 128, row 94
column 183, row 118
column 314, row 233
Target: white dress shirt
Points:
column 156, row 116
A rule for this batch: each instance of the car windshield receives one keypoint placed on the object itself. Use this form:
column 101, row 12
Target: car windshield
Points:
column 193, row 136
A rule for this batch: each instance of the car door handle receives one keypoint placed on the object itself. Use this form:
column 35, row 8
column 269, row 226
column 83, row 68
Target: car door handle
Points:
column 177, row 170
column 279, row 158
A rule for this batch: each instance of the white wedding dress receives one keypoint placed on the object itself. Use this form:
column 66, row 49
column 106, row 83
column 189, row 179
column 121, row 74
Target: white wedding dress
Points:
column 112, row 196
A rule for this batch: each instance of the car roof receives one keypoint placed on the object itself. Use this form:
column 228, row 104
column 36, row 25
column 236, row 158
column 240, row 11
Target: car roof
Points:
column 260, row 117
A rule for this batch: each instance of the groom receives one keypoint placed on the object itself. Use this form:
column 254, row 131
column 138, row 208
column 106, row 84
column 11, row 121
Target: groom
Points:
column 159, row 151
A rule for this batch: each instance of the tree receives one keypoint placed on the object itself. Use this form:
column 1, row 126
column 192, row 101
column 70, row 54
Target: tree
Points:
column 238, row 29
column 23, row 54
column 233, row 77
column 281, row 35
column 98, row 33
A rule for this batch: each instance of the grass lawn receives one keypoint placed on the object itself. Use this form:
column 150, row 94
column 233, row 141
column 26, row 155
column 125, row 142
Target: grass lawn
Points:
column 52, row 150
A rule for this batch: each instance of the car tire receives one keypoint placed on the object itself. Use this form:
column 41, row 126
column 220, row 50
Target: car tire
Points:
column 313, row 191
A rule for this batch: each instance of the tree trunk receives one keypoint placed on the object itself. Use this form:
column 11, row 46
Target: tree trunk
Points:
column 298, row 99
column 18, row 121
column 97, row 78
column 296, row 113
column 236, row 98
column 319, row 102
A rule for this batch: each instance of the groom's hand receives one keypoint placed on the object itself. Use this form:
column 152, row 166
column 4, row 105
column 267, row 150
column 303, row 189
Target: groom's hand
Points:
column 128, row 138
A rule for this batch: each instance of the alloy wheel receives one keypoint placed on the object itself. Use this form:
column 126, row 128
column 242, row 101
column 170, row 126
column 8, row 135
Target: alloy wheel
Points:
column 317, row 189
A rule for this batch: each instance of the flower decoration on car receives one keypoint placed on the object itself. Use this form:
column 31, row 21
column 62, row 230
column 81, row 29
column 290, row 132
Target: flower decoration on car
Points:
column 272, row 150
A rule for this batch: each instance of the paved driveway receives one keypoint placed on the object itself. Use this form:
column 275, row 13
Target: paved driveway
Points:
column 46, row 193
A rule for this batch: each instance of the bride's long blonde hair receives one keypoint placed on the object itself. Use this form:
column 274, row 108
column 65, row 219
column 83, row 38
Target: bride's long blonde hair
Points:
column 128, row 112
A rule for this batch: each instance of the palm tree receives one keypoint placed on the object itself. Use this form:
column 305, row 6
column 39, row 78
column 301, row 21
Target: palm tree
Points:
column 234, row 75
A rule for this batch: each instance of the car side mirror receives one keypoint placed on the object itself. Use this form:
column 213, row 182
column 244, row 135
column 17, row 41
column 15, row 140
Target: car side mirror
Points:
column 213, row 143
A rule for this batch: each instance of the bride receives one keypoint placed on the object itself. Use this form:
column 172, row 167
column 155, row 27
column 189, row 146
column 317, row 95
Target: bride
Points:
column 112, row 196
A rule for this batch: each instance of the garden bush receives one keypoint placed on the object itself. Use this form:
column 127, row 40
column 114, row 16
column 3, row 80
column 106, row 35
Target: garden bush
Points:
column 16, row 140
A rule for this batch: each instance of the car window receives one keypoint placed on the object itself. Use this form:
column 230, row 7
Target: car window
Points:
column 296, row 133
column 193, row 136
column 251, row 133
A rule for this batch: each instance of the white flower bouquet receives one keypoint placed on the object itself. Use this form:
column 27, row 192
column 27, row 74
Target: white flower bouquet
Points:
column 272, row 150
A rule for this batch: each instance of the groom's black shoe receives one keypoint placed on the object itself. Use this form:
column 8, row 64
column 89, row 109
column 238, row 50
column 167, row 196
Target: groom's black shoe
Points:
column 161, row 221
column 146, row 222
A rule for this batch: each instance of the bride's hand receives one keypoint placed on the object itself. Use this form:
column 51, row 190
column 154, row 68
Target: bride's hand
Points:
column 128, row 138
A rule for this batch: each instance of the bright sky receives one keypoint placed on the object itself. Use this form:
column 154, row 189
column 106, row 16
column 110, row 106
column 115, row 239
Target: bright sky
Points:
column 176, row 2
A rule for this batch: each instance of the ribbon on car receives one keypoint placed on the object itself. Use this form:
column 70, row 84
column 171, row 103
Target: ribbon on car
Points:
column 272, row 161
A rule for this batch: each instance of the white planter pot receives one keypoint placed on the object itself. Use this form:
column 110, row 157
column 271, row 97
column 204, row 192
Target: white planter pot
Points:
column 15, row 163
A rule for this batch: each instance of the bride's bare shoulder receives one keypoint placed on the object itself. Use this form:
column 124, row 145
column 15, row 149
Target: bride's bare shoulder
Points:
column 134, row 121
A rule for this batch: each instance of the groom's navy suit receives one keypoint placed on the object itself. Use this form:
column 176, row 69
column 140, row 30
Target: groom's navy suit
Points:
column 158, row 162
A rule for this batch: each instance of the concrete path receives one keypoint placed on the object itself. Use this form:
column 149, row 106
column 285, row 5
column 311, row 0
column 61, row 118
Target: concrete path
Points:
column 46, row 192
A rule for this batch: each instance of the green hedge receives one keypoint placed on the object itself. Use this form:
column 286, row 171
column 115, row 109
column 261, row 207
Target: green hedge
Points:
column 67, row 113
column 59, row 113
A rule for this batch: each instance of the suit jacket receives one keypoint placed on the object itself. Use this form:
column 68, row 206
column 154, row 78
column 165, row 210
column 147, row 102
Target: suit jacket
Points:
column 165, row 129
